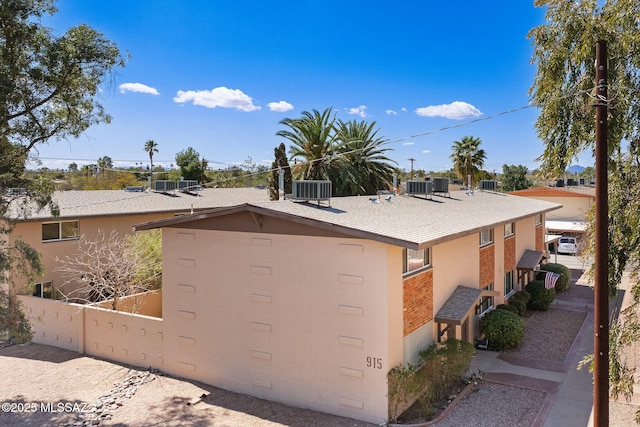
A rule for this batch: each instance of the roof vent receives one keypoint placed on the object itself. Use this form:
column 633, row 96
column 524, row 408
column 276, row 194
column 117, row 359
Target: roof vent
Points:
column 315, row 191
column 423, row 188
column 488, row 185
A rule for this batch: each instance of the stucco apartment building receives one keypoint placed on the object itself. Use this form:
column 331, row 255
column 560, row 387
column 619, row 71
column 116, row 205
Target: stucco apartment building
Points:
column 575, row 200
column 312, row 304
column 86, row 212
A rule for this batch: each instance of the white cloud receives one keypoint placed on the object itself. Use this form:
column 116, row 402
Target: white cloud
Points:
column 408, row 143
column 138, row 87
column 280, row 106
column 391, row 113
column 456, row 110
column 426, row 151
column 404, row 109
column 360, row 111
column 219, row 97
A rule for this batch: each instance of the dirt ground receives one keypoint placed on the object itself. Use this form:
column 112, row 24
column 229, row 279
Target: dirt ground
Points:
column 35, row 378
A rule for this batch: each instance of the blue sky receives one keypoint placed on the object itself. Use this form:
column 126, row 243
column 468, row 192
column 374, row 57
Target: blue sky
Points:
column 219, row 76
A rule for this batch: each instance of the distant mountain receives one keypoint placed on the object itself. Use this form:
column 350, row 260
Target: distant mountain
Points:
column 575, row 169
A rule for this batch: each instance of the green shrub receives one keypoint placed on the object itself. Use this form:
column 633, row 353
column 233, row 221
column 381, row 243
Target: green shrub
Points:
column 541, row 297
column 509, row 307
column 439, row 374
column 503, row 328
column 519, row 300
column 564, row 281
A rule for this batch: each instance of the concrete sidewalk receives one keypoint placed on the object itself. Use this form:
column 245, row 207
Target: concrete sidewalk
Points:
column 569, row 399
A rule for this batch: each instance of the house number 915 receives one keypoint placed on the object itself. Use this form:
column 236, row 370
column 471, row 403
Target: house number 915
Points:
column 374, row 362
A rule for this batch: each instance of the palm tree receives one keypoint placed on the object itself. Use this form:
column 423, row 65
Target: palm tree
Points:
column 312, row 140
column 151, row 147
column 467, row 157
column 366, row 167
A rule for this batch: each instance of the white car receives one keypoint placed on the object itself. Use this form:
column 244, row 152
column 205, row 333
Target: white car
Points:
column 568, row 245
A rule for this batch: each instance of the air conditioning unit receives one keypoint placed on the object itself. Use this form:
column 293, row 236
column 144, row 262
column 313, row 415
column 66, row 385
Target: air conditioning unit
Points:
column 488, row 185
column 187, row 184
column 164, row 185
column 440, row 185
column 420, row 187
column 311, row 190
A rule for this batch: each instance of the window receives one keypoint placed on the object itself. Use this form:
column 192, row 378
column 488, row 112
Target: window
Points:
column 508, row 283
column 486, row 302
column 509, row 229
column 539, row 219
column 64, row 230
column 415, row 259
column 486, row 237
column 43, row 289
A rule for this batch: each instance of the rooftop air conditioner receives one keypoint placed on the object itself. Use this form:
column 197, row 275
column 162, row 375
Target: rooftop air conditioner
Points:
column 420, row 187
column 187, row 184
column 440, row 185
column 164, row 185
column 311, row 190
column 488, row 185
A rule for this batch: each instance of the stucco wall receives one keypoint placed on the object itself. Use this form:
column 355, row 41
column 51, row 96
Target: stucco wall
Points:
column 124, row 337
column 314, row 322
column 31, row 232
column 573, row 208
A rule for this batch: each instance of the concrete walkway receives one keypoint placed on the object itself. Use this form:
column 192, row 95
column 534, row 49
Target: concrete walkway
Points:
column 569, row 399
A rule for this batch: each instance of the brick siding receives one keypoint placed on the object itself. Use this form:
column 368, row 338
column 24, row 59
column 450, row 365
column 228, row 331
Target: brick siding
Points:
column 540, row 238
column 487, row 265
column 510, row 253
column 418, row 301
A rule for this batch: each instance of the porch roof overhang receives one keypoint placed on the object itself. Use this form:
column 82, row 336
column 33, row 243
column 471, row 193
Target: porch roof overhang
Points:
column 529, row 260
column 461, row 301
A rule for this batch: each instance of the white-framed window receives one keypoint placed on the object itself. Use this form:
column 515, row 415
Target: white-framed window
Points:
column 508, row 283
column 415, row 259
column 486, row 237
column 486, row 302
column 60, row 230
column 43, row 289
column 509, row 229
column 539, row 219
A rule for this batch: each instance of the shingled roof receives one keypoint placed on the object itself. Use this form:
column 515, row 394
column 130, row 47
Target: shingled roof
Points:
column 405, row 221
column 94, row 203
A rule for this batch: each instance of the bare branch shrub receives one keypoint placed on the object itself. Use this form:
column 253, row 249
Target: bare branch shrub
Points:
column 108, row 268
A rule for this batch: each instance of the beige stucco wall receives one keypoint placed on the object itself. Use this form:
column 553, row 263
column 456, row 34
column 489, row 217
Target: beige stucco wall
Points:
column 124, row 337
column 55, row 323
column 31, row 232
column 573, row 208
column 314, row 322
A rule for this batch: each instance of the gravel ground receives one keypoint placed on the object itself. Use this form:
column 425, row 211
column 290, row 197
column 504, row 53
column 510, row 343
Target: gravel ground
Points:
column 509, row 407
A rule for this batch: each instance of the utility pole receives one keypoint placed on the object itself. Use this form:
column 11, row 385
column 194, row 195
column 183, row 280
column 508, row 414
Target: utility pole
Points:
column 411, row 160
column 601, row 293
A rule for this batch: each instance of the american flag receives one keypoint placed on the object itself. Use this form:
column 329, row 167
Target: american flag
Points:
column 550, row 280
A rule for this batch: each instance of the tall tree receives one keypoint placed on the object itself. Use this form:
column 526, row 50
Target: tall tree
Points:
column 564, row 89
column 366, row 168
column 468, row 158
column 48, row 88
column 105, row 162
column 514, row 178
column 312, row 141
column 280, row 163
column 189, row 163
column 150, row 147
